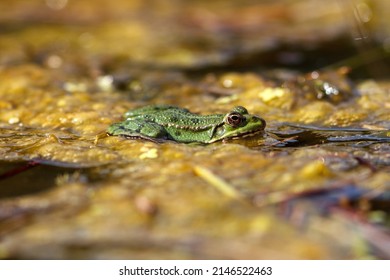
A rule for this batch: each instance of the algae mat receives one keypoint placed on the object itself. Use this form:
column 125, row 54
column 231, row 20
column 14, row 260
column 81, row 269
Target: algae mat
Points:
column 315, row 185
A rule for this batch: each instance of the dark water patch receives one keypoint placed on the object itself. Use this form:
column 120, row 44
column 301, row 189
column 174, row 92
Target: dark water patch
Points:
column 349, row 195
column 300, row 136
column 25, row 178
column 18, row 179
column 371, row 207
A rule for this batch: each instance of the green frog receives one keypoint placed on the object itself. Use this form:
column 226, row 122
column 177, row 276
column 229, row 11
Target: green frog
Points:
column 159, row 123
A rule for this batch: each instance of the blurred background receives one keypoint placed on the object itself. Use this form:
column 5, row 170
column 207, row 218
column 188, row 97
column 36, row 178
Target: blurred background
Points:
column 195, row 34
column 314, row 186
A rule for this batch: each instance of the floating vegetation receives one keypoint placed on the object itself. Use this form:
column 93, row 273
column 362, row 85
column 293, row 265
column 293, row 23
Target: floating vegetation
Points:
column 314, row 184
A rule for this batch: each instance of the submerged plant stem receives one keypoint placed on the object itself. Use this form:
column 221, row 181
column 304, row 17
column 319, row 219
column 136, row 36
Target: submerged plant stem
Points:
column 218, row 183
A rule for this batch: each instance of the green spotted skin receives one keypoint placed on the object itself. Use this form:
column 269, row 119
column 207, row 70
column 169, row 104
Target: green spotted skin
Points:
column 164, row 122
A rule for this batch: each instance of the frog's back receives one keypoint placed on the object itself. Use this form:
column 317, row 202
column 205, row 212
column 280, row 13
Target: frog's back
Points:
column 167, row 115
column 187, row 120
column 151, row 109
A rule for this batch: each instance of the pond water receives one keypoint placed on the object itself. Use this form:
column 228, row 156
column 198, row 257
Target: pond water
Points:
column 314, row 185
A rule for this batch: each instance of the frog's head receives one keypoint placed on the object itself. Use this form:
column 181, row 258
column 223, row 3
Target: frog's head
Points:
column 238, row 123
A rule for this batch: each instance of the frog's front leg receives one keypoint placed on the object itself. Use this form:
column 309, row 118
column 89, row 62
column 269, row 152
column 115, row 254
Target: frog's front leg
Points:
column 139, row 129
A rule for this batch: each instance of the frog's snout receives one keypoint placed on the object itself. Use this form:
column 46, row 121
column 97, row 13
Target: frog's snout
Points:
column 256, row 119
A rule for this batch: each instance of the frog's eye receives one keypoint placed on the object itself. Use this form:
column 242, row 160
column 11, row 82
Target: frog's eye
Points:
column 234, row 119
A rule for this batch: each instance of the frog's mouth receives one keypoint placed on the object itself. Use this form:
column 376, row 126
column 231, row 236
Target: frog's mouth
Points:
column 246, row 134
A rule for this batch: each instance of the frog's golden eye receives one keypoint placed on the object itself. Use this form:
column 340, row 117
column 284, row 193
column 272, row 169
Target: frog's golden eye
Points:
column 234, row 119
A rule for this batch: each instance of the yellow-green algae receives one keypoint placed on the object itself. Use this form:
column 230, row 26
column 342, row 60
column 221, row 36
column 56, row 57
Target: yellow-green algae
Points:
column 120, row 198
column 153, row 193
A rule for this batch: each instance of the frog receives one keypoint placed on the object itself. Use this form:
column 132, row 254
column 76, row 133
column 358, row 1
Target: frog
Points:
column 159, row 123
